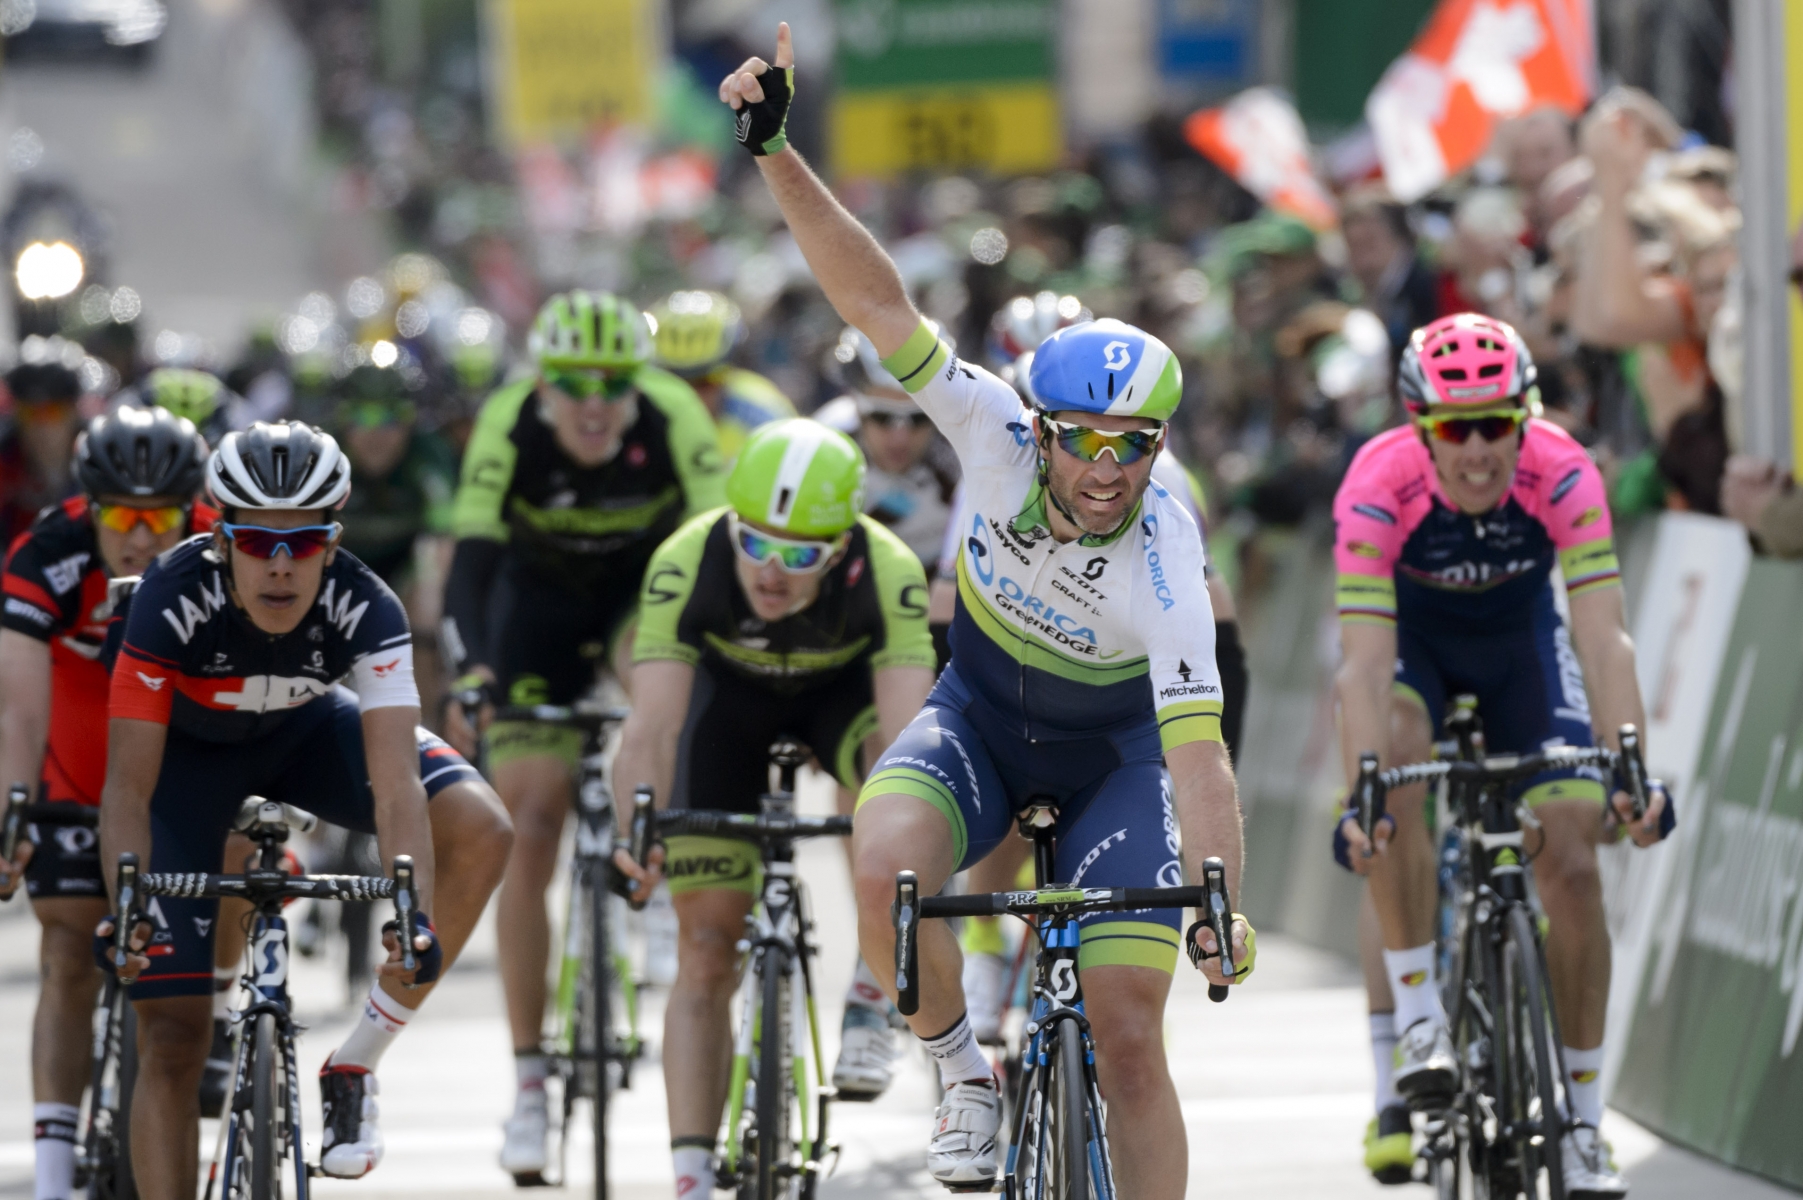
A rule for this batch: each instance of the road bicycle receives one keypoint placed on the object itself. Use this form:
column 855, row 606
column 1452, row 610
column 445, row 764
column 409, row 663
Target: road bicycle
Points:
column 1058, row 1141
column 779, row 1096
column 261, row 1135
column 103, row 1129
column 588, row 1051
column 1498, row 1134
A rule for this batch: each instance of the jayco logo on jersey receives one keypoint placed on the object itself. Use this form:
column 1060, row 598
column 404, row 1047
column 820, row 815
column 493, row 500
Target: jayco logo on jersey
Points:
column 271, row 693
column 193, row 614
column 1115, row 356
column 66, row 573
column 339, row 611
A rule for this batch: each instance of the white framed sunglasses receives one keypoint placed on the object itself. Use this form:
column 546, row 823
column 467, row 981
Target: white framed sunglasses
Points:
column 797, row 556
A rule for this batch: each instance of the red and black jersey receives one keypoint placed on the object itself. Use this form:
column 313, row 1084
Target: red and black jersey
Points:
column 189, row 658
column 55, row 591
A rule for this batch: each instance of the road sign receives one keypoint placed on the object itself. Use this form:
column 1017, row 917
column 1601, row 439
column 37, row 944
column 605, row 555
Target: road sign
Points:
column 945, row 85
column 562, row 67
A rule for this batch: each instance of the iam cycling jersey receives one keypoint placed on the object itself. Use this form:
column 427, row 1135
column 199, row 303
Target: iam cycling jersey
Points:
column 56, row 592
column 584, row 531
column 1064, row 638
column 191, row 660
column 747, row 400
column 1472, row 596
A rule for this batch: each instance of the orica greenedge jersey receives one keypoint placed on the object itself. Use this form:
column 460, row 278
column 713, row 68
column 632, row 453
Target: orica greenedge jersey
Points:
column 871, row 610
column 568, row 523
column 1064, row 640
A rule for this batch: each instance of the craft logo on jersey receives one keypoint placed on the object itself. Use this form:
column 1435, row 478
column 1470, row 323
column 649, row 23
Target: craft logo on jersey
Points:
column 192, row 614
column 1115, row 356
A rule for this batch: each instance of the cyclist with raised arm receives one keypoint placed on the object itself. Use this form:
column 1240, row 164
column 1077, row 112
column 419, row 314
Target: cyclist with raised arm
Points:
column 226, row 684
column 694, row 334
column 139, row 471
column 1082, row 663
column 1448, row 530
column 570, row 481
column 788, row 613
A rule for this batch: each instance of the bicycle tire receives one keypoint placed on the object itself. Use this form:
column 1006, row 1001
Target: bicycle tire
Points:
column 265, row 1156
column 1533, row 1091
column 773, row 1110
column 1072, row 1099
column 600, row 1017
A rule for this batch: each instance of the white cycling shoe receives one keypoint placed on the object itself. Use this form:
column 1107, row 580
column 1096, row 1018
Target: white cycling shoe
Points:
column 866, row 1056
column 352, row 1144
column 524, row 1134
column 1589, row 1167
column 985, row 995
column 1426, row 1069
column 961, row 1154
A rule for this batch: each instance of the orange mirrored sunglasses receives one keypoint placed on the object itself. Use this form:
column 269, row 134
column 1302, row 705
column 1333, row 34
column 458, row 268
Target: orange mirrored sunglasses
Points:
column 123, row 518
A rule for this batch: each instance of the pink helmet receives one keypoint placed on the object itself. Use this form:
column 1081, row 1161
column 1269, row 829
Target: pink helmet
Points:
column 1466, row 359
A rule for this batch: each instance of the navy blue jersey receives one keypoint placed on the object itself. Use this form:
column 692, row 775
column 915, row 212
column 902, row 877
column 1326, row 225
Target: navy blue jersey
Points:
column 189, row 658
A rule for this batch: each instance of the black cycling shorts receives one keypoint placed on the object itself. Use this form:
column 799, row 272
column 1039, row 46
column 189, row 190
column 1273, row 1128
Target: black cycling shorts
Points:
column 65, row 861
column 312, row 760
column 547, row 641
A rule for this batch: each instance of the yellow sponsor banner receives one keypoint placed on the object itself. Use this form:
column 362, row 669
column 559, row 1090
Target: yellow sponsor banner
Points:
column 1008, row 129
column 563, row 66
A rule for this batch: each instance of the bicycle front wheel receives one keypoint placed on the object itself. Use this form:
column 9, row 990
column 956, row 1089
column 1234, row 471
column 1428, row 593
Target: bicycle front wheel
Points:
column 1532, row 1097
column 774, row 1148
column 1071, row 1179
column 265, row 1138
column 599, row 1006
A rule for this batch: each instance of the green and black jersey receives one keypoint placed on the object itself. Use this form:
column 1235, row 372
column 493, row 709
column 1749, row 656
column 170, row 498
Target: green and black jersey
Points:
column 872, row 610
column 588, row 531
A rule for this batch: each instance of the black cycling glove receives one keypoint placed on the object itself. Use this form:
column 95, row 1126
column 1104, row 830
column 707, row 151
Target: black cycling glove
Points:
column 431, row 959
column 762, row 128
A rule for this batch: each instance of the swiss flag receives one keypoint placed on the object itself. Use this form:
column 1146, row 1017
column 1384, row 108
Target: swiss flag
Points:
column 1476, row 62
column 1258, row 139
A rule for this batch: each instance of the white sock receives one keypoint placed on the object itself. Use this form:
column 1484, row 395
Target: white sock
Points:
column 1383, row 1058
column 959, row 1057
column 866, row 992
column 382, row 1020
column 54, row 1140
column 1584, row 1084
column 529, row 1070
column 225, row 980
column 1412, row 983
column 694, row 1172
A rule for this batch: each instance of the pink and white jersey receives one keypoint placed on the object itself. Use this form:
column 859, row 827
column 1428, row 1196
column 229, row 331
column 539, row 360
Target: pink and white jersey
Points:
column 1404, row 552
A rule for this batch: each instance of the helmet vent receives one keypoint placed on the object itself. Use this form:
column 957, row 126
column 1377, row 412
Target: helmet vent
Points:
column 1489, row 370
column 1452, row 373
column 785, row 500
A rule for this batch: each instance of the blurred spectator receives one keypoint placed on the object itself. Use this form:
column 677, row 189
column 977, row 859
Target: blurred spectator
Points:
column 36, row 445
column 1757, row 492
column 1533, row 146
column 1381, row 257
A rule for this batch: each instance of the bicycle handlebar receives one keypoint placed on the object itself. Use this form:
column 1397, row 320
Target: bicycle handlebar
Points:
column 577, row 716
column 911, row 908
column 751, row 826
column 1368, row 792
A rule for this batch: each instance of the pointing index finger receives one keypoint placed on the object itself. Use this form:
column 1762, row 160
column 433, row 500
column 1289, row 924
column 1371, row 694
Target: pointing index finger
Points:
column 785, row 47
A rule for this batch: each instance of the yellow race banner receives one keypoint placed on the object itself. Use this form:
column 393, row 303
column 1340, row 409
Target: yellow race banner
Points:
column 562, row 67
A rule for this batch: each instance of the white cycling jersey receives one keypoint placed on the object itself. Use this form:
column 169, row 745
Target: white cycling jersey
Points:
column 1066, row 639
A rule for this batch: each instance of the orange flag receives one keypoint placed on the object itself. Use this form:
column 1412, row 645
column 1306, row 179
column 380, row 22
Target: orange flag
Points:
column 1258, row 139
column 1476, row 62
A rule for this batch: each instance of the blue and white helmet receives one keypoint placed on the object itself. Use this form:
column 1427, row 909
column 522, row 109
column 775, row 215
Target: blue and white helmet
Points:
column 1107, row 366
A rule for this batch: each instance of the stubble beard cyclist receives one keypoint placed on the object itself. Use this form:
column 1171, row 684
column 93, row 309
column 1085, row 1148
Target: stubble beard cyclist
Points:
column 1475, row 472
column 1152, row 615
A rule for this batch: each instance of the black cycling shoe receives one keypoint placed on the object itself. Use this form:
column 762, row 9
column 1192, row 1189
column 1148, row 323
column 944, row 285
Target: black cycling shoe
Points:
column 1389, row 1146
column 217, row 1078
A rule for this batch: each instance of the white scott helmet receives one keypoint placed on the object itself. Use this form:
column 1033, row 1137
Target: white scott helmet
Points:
column 284, row 464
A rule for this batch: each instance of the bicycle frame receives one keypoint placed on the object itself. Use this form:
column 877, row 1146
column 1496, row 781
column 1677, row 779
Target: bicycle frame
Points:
column 265, row 982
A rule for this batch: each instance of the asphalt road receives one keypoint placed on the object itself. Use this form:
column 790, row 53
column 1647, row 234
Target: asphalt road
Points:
column 1276, row 1084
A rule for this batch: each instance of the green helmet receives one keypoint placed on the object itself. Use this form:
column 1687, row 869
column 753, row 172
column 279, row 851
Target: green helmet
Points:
column 695, row 331
column 594, row 330
column 195, row 395
column 800, row 477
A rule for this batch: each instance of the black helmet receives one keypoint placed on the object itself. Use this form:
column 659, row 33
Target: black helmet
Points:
column 140, row 452
column 281, row 464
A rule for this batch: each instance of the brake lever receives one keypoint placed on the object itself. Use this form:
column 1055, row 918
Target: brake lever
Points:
column 1220, row 919
column 1633, row 766
column 907, row 953
column 406, row 905
column 1368, row 797
column 128, row 909
column 638, row 840
column 17, row 796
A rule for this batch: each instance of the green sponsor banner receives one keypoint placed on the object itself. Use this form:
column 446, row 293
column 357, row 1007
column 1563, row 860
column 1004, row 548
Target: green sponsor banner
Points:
column 1716, row 1061
column 910, row 43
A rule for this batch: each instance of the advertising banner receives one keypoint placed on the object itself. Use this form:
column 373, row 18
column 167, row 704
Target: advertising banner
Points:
column 945, row 85
column 562, row 67
column 1715, row 1061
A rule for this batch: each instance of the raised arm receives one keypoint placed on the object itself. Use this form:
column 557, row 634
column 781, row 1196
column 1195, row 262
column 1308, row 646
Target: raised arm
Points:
column 857, row 276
